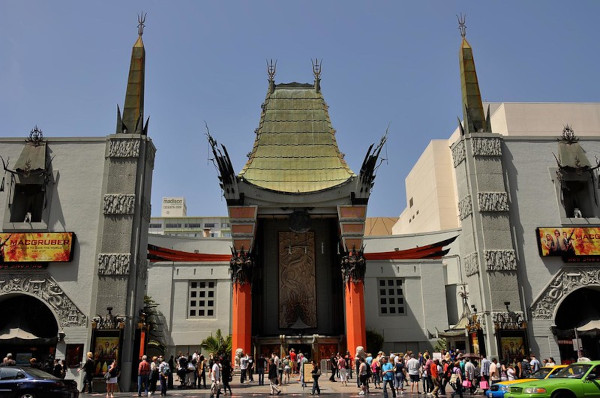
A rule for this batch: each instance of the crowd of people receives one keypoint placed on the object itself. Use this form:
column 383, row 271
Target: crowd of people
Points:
column 56, row 367
column 422, row 374
column 418, row 373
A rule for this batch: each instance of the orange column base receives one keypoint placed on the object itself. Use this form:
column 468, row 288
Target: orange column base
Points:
column 356, row 334
column 241, row 328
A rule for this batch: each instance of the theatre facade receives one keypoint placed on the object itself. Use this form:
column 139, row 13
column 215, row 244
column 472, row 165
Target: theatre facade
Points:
column 295, row 272
column 496, row 251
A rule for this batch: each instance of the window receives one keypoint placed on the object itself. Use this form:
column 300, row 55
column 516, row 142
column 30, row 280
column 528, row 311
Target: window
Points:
column 410, row 202
column 224, row 225
column 391, row 296
column 201, row 299
column 226, row 234
column 155, row 226
column 577, row 198
column 28, row 203
column 209, row 225
column 193, row 225
column 173, row 225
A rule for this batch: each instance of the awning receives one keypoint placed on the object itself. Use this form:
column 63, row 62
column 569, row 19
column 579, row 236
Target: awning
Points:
column 32, row 159
column 20, row 336
column 16, row 333
column 591, row 326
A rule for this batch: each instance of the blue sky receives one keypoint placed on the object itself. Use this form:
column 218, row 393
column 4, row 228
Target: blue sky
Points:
column 64, row 65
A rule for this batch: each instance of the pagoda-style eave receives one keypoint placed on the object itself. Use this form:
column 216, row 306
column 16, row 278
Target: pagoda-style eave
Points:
column 250, row 194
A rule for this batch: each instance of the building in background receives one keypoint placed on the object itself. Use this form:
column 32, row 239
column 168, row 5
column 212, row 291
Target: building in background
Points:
column 173, row 207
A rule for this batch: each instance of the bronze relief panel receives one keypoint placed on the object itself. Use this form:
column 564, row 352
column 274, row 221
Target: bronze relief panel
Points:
column 297, row 283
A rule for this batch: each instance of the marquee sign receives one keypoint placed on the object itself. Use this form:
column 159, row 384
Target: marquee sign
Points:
column 36, row 247
column 574, row 244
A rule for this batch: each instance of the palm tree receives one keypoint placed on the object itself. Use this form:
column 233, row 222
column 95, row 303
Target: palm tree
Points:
column 217, row 345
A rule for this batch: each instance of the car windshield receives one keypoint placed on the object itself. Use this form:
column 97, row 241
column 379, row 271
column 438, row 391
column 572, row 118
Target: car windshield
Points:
column 541, row 373
column 38, row 374
column 574, row 371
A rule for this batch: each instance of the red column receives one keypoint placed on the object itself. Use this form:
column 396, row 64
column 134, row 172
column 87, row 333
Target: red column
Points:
column 241, row 328
column 356, row 334
column 142, row 341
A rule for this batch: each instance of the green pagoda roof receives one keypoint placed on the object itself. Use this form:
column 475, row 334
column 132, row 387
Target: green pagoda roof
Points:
column 295, row 150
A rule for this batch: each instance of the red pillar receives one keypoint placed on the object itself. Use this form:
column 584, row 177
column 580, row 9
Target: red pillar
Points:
column 142, row 341
column 356, row 334
column 241, row 328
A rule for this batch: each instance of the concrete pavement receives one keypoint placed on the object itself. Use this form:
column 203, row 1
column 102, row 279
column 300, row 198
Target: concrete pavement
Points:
column 328, row 388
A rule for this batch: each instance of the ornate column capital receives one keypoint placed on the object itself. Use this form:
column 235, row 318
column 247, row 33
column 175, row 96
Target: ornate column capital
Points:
column 241, row 265
column 354, row 266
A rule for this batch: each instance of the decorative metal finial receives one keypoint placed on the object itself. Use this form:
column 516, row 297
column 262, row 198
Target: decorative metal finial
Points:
column 568, row 135
column 36, row 136
column 141, row 21
column 462, row 27
column 271, row 69
column 316, row 64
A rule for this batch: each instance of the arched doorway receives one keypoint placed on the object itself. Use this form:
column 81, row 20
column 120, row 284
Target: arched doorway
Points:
column 581, row 307
column 28, row 329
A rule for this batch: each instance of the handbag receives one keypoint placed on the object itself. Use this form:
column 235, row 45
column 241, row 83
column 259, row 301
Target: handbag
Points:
column 107, row 376
column 483, row 384
column 466, row 383
column 453, row 378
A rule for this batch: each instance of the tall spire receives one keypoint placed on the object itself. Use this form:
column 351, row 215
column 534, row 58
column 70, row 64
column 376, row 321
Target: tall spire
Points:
column 473, row 114
column 133, row 111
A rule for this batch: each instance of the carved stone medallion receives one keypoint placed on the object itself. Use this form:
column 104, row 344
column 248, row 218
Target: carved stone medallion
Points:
column 119, row 204
column 114, row 263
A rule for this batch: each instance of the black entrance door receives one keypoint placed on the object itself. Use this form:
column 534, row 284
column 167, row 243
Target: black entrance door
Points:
column 578, row 309
column 28, row 329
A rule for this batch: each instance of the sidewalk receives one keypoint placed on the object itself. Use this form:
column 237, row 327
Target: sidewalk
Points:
column 334, row 389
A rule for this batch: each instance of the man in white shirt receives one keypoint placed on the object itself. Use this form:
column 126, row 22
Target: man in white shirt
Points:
column 243, row 368
column 534, row 364
column 215, row 377
column 413, row 372
column 494, row 374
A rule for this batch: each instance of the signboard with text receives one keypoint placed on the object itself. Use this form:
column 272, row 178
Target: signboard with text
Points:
column 36, row 247
column 573, row 244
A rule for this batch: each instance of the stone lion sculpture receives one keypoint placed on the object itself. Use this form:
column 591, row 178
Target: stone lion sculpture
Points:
column 238, row 354
column 360, row 352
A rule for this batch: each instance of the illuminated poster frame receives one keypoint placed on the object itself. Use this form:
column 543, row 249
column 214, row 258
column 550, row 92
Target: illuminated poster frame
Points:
column 36, row 247
column 573, row 244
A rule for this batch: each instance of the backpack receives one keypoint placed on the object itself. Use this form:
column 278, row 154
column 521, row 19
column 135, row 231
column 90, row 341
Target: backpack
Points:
column 166, row 371
column 526, row 369
column 399, row 367
column 448, row 373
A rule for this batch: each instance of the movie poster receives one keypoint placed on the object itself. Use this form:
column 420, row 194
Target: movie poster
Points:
column 106, row 350
column 512, row 347
column 570, row 243
column 74, row 355
column 32, row 247
column 474, row 337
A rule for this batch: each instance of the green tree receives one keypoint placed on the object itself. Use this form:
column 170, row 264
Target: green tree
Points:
column 217, row 345
column 374, row 342
column 440, row 345
column 156, row 341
